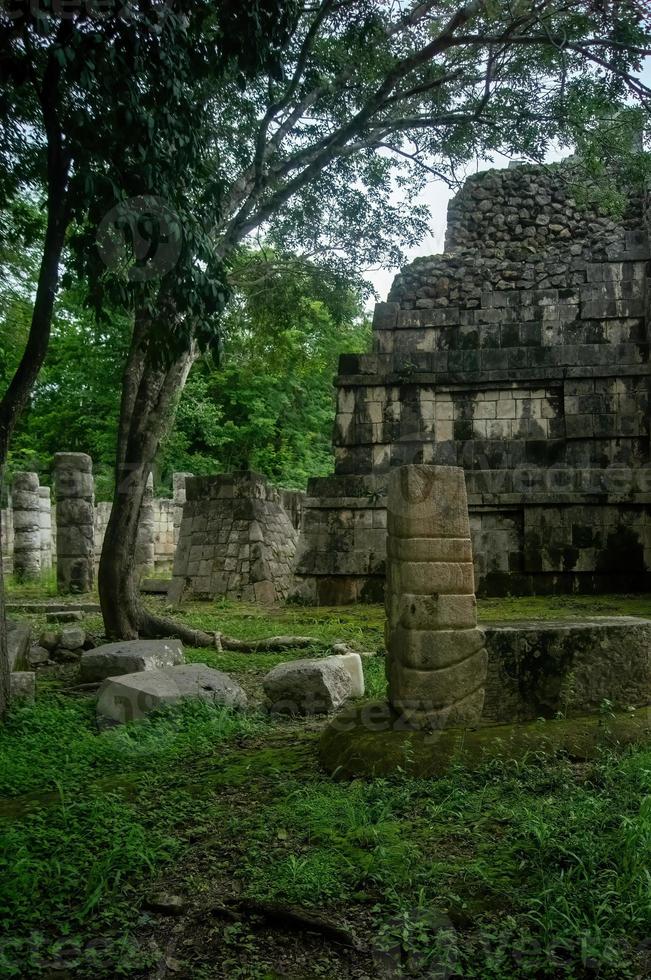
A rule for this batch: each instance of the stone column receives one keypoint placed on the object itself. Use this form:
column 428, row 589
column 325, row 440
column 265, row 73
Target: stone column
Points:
column 178, row 493
column 27, row 530
column 436, row 660
column 75, row 513
column 145, row 541
column 45, row 516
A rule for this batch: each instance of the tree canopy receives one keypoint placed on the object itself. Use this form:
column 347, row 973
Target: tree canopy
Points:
column 264, row 400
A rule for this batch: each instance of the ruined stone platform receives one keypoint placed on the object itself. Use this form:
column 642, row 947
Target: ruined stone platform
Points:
column 522, row 355
column 539, row 669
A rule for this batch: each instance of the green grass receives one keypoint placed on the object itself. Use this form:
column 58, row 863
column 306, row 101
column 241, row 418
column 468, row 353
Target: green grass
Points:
column 534, row 870
column 37, row 591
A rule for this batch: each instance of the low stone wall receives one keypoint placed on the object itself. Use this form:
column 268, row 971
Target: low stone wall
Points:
column 540, row 669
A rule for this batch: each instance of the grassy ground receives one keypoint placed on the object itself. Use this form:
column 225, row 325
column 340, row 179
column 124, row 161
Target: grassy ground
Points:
column 536, row 870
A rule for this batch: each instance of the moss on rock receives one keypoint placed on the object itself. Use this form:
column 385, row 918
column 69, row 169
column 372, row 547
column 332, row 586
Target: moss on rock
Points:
column 371, row 740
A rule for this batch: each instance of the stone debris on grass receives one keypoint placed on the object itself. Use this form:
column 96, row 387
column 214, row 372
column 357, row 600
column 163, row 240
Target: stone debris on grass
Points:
column 72, row 638
column 49, row 639
column 38, row 656
column 65, row 645
column 308, row 687
column 22, row 685
column 129, row 657
column 132, row 696
column 18, row 641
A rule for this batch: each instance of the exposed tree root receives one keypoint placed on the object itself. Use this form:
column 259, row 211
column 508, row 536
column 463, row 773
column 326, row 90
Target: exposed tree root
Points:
column 272, row 644
column 161, row 627
column 285, row 917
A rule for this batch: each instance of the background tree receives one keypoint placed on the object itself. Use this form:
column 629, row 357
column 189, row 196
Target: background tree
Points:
column 367, row 96
column 83, row 90
column 267, row 402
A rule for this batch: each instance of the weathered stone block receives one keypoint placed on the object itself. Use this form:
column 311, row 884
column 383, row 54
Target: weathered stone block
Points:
column 22, row 685
column 352, row 663
column 430, row 578
column 72, row 638
column 540, row 669
column 434, row 649
column 424, row 612
column 307, row 687
column 133, row 696
column 128, row 657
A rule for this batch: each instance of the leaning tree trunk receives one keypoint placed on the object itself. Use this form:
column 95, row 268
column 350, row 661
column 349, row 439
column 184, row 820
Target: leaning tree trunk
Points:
column 4, row 649
column 150, row 390
column 15, row 398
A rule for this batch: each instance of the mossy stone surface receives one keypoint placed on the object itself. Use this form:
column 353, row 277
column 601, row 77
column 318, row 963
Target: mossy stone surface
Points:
column 370, row 740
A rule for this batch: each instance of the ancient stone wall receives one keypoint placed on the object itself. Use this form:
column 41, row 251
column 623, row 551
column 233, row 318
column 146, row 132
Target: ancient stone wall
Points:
column 236, row 540
column 535, row 208
column 524, row 360
column 165, row 513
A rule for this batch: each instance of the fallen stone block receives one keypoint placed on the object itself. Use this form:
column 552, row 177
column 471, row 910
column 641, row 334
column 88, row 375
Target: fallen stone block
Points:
column 308, row 687
column 22, row 685
column 63, row 656
column 38, row 656
column 49, row 639
column 129, row 657
column 133, row 696
column 352, row 664
column 72, row 638
column 19, row 637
